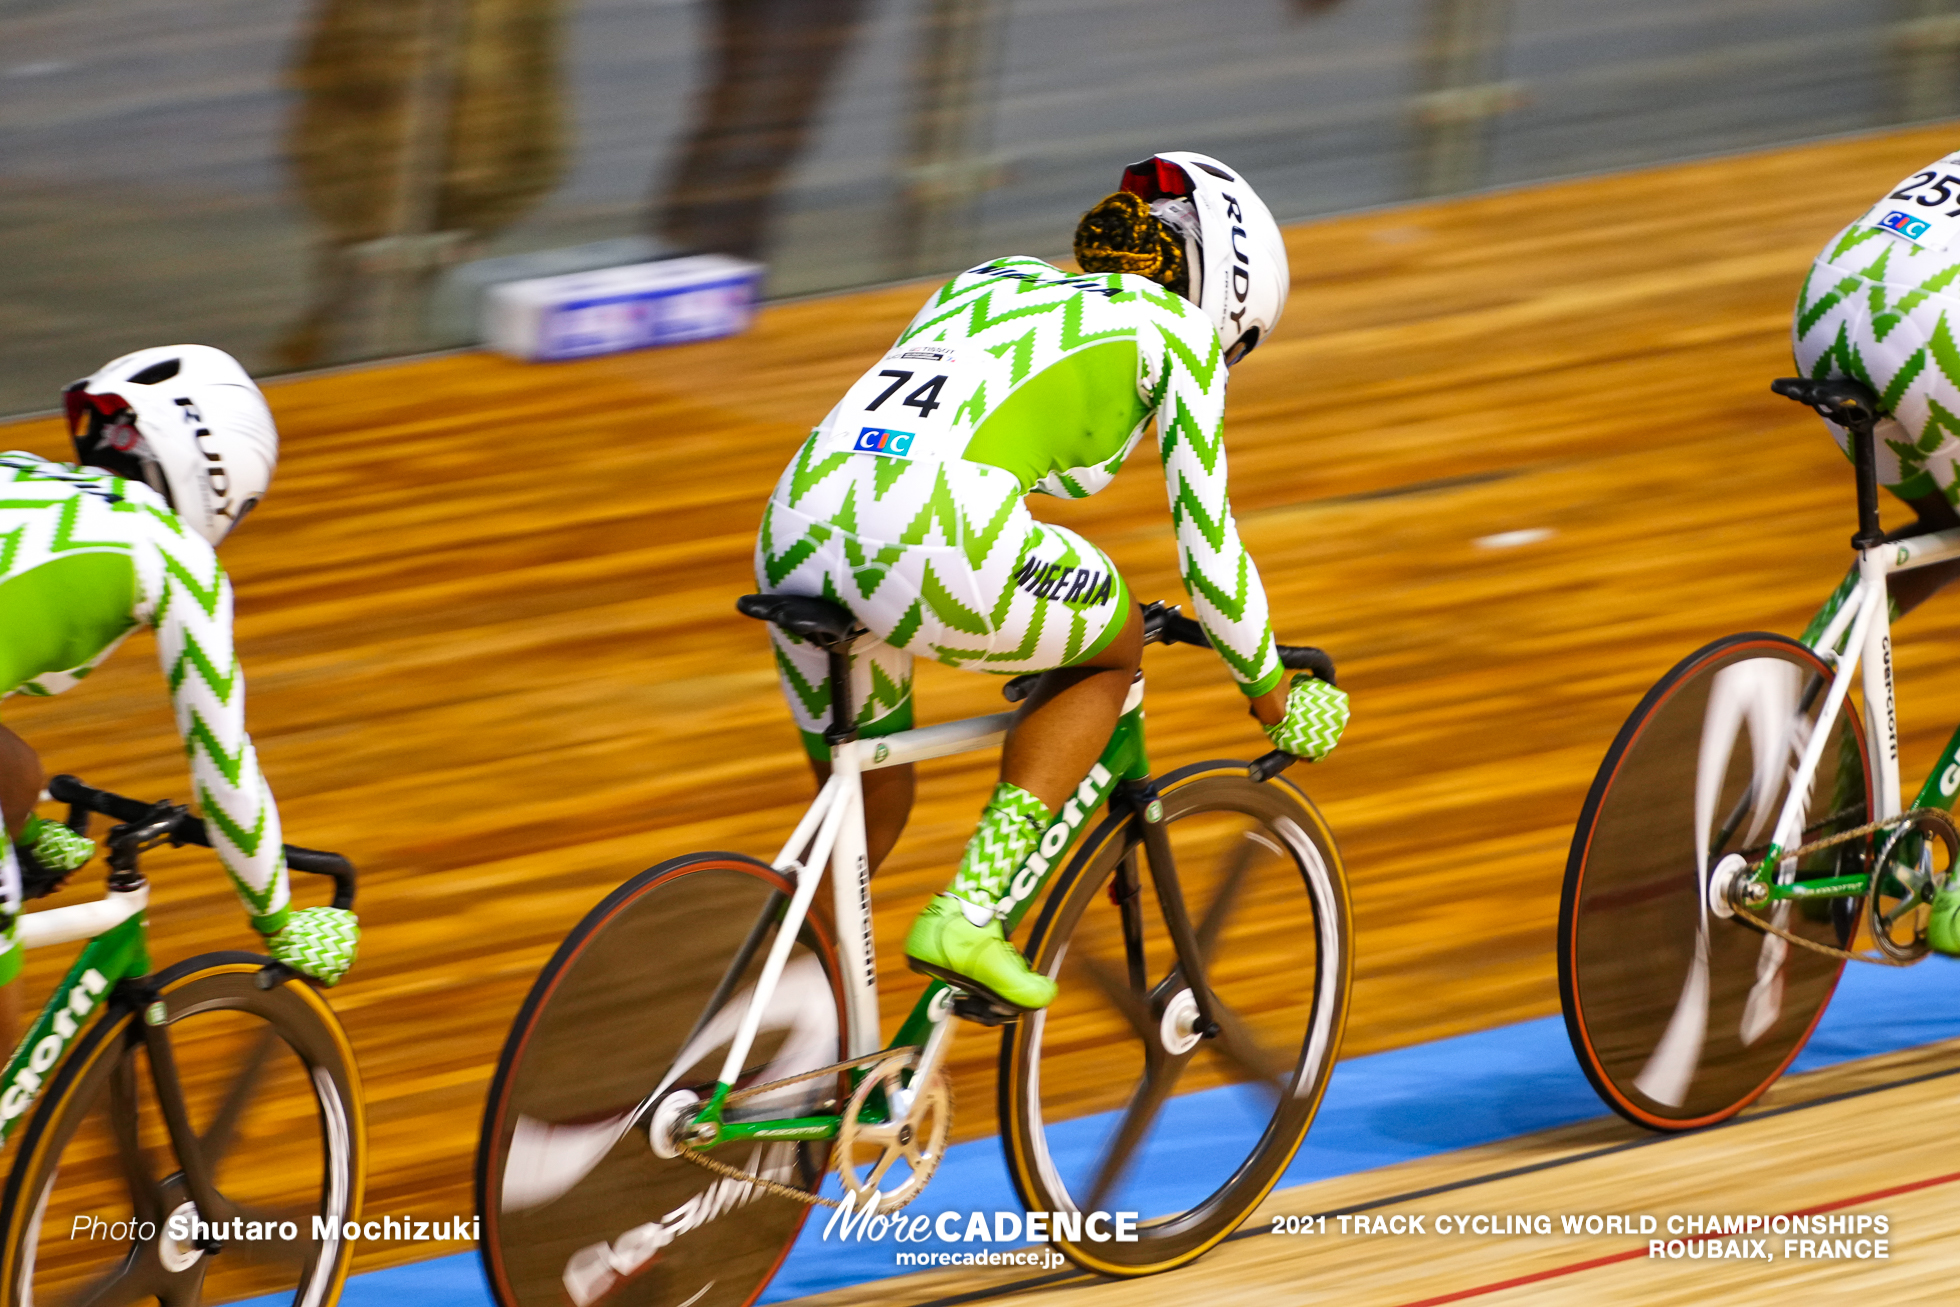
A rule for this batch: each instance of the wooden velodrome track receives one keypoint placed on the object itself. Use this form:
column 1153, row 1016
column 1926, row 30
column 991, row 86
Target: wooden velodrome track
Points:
column 487, row 623
column 1808, row 1147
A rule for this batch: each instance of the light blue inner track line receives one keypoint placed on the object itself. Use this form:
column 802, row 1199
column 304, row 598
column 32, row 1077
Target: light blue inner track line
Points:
column 1384, row 1108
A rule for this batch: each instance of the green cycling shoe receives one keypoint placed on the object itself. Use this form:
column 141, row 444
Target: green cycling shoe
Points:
column 978, row 959
column 1943, row 927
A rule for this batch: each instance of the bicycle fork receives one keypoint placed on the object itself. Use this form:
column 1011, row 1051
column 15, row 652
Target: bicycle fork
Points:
column 1147, row 814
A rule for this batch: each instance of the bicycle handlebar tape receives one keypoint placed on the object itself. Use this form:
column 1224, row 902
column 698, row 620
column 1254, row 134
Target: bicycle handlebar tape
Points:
column 1316, row 717
column 319, row 863
column 1186, row 630
column 73, row 791
column 1306, row 658
column 1267, row 766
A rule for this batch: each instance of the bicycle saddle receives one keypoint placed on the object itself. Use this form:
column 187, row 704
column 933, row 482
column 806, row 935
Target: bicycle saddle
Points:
column 1844, row 401
column 813, row 619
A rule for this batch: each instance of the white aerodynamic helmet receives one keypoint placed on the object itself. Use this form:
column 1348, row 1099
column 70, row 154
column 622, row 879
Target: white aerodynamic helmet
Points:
column 187, row 421
column 1232, row 245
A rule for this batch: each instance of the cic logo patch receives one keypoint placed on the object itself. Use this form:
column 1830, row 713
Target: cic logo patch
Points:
column 1905, row 224
column 877, row 440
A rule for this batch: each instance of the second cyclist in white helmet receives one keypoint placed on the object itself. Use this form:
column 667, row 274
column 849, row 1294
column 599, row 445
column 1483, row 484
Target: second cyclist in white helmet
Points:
column 906, row 505
column 173, row 447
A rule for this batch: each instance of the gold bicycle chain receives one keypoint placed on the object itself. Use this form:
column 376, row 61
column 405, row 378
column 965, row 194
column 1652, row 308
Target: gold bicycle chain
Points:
column 761, row 1182
column 701, row 1159
column 1818, row 846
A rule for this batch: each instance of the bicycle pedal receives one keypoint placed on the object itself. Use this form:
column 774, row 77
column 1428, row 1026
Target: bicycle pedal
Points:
column 980, row 1011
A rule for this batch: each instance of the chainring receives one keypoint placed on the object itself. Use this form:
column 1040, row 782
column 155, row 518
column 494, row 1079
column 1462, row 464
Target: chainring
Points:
column 1901, row 895
column 1934, row 822
column 917, row 1138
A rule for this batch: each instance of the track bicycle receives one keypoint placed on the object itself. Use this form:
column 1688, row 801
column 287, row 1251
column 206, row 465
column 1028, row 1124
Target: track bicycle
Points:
column 220, row 1090
column 1745, row 838
column 705, row 1046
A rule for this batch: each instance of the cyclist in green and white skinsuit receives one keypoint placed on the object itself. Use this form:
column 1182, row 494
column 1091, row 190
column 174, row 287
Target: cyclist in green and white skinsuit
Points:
column 1882, row 305
column 178, row 446
column 906, row 505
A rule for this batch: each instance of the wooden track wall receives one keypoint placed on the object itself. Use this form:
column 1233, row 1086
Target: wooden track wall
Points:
column 486, row 616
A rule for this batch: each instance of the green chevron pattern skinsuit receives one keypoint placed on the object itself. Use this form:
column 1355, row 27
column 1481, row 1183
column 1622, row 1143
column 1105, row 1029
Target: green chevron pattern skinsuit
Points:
column 85, row 559
column 1880, row 305
column 906, row 504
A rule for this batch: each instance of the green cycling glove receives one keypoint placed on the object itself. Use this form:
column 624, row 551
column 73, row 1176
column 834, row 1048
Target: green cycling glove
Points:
column 55, row 846
column 317, row 942
column 1316, row 714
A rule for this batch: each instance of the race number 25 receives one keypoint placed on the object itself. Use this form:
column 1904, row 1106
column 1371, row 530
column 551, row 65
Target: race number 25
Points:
column 1931, row 189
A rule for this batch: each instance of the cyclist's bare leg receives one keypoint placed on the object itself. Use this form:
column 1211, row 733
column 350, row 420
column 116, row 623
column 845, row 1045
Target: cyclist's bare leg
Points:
column 1911, row 589
column 1062, row 727
column 1055, row 738
column 21, row 780
column 1058, row 733
column 887, row 806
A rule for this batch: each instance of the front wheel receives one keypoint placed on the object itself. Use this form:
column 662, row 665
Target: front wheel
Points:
column 98, row 1206
column 1681, row 1017
column 1087, row 1085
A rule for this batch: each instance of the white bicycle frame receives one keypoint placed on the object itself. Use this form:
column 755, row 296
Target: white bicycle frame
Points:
column 1858, row 635
column 831, row 834
column 82, row 920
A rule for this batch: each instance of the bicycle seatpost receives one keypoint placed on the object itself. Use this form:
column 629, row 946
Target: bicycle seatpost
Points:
column 832, row 628
column 843, row 714
column 1853, row 406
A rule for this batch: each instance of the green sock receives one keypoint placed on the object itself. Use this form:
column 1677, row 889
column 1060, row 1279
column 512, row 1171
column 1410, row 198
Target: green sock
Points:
column 1010, row 826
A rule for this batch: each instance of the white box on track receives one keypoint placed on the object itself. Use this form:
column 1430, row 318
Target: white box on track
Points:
column 581, row 314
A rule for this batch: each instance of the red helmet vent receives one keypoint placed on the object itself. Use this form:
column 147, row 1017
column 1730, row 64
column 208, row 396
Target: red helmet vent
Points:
column 1156, row 179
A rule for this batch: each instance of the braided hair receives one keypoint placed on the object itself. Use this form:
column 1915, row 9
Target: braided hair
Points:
column 1121, row 235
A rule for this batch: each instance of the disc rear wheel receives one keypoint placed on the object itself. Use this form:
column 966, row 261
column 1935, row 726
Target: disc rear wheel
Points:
column 1679, row 1015
column 583, row 1195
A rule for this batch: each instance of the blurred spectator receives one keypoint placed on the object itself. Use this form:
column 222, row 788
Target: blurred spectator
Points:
column 771, row 62
column 424, row 127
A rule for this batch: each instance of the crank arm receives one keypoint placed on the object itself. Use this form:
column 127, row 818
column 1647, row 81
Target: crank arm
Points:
column 933, row 1056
